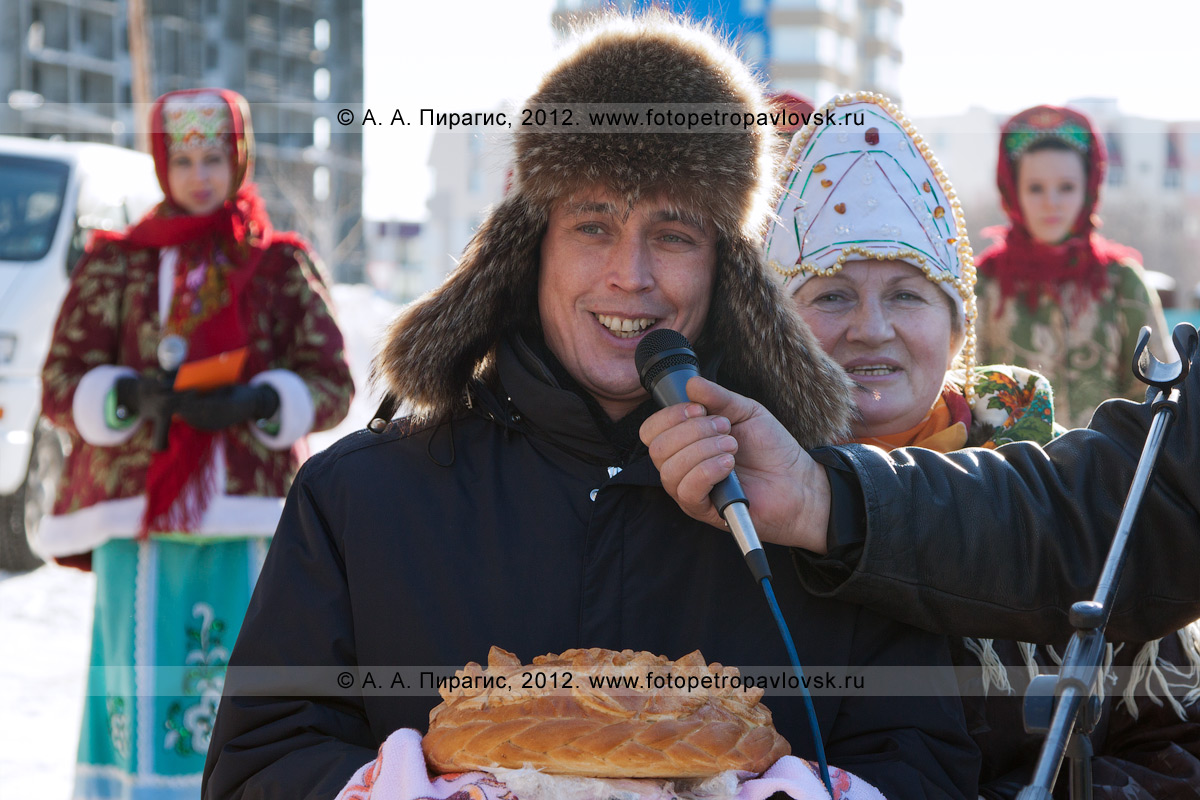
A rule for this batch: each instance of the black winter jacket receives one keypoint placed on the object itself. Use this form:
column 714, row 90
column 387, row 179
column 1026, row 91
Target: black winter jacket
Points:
column 504, row 527
column 1000, row 543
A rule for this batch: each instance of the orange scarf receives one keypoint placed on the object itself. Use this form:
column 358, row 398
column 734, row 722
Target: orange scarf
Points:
column 943, row 429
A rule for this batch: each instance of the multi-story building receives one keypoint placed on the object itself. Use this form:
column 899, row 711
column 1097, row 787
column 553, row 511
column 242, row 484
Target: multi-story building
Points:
column 395, row 260
column 821, row 48
column 818, row 48
column 1183, row 177
column 966, row 145
column 471, row 171
column 65, row 70
column 1145, row 199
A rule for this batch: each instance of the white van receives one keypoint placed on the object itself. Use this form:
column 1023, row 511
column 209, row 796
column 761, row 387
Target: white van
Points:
column 52, row 195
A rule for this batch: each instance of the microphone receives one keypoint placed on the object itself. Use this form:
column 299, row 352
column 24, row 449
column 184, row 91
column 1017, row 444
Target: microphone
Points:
column 665, row 362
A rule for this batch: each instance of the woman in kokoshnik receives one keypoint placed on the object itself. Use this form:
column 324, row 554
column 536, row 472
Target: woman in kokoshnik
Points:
column 176, row 538
column 873, row 248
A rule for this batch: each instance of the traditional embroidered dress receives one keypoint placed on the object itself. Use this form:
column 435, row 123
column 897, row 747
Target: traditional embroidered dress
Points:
column 177, row 538
column 1071, row 310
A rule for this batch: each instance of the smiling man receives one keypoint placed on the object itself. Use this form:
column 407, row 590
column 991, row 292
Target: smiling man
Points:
column 610, row 274
column 515, row 506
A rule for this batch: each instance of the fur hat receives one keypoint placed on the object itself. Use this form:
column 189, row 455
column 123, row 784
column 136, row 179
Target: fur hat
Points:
column 441, row 342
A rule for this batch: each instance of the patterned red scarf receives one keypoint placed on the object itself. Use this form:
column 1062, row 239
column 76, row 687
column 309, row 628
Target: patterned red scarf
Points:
column 218, row 254
column 1020, row 264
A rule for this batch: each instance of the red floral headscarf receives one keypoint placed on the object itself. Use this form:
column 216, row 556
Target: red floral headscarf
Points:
column 797, row 107
column 234, row 130
column 1018, row 262
column 218, row 253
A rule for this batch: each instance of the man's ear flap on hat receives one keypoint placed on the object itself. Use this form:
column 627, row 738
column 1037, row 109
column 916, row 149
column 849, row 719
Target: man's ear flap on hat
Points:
column 433, row 349
column 775, row 358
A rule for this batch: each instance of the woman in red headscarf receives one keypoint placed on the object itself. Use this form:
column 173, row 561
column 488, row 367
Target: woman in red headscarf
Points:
column 1054, row 295
column 176, row 477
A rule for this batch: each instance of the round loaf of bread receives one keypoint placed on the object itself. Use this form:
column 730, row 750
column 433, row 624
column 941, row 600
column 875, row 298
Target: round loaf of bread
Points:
column 572, row 714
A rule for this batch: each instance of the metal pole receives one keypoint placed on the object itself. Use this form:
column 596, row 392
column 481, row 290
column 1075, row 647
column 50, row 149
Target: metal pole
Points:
column 141, row 61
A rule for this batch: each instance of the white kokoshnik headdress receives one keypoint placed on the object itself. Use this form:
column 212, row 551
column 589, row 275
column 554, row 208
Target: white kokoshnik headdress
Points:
column 864, row 185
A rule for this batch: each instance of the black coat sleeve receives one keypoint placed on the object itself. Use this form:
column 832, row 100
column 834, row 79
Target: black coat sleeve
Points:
column 999, row 543
column 304, row 744
column 901, row 726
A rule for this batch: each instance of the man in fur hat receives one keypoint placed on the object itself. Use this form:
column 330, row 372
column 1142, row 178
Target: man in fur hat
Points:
column 516, row 506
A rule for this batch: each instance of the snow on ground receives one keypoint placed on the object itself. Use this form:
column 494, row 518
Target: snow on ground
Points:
column 45, row 634
column 46, row 615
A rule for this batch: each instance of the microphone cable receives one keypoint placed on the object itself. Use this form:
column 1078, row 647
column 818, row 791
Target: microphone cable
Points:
column 665, row 362
column 796, row 668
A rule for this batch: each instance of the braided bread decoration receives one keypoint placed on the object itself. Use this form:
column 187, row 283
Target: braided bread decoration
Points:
column 601, row 732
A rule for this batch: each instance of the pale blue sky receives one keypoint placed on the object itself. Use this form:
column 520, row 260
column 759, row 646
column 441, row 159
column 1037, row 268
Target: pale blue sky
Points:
column 471, row 55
